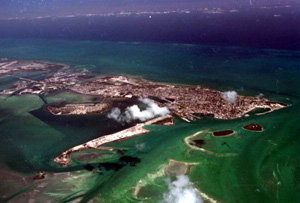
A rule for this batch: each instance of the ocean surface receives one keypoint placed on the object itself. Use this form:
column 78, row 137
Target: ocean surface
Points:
column 276, row 28
column 244, row 167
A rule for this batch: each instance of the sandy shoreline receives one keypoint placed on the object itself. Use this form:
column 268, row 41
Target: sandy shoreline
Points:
column 64, row 158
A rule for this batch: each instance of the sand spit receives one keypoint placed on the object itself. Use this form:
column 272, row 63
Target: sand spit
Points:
column 64, row 158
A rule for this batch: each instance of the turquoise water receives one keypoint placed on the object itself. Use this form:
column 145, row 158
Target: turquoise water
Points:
column 245, row 167
column 242, row 69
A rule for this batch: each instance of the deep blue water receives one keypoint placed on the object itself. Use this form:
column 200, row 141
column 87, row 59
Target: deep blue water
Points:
column 276, row 28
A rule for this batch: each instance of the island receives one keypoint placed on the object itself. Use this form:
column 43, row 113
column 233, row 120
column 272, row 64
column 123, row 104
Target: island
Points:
column 186, row 102
column 223, row 133
column 253, row 127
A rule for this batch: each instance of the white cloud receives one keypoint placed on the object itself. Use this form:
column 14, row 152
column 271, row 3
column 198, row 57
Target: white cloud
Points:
column 115, row 114
column 181, row 191
column 230, row 96
column 135, row 113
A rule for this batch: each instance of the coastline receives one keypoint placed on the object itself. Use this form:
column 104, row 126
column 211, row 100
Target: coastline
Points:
column 183, row 101
column 64, row 158
column 279, row 129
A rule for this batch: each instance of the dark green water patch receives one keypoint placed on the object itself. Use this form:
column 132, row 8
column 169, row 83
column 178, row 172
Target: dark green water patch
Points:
column 197, row 143
column 132, row 161
column 92, row 156
column 69, row 97
column 258, row 111
column 72, row 123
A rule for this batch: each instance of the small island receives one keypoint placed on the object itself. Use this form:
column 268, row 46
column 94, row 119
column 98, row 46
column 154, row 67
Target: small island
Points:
column 41, row 175
column 223, row 133
column 253, row 127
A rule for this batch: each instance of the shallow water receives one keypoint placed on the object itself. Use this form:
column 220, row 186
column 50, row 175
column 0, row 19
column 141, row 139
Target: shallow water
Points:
column 244, row 167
